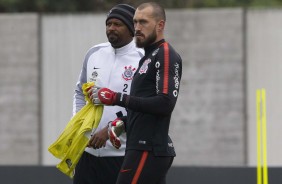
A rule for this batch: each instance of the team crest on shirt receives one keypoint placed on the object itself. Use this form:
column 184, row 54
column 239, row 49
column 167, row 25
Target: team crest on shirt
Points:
column 144, row 66
column 128, row 73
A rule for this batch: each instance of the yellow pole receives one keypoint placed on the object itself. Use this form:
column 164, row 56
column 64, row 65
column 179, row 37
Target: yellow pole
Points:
column 262, row 170
column 264, row 138
column 258, row 102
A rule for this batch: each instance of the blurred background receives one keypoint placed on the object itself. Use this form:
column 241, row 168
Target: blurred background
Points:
column 229, row 49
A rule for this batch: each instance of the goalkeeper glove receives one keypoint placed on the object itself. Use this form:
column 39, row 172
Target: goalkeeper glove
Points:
column 116, row 128
column 106, row 96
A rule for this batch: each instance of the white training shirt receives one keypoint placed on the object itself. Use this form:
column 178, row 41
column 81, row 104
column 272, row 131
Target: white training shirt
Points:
column 114, row 69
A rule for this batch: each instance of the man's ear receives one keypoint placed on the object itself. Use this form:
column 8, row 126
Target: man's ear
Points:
column 161, row 26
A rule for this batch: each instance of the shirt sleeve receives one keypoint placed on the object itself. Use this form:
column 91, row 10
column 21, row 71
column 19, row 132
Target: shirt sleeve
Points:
column 78, row 98
column 168, row 67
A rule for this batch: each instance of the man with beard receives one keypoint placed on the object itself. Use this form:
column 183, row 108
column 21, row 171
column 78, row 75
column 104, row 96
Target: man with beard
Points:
column 112, row 65
column 154, row 91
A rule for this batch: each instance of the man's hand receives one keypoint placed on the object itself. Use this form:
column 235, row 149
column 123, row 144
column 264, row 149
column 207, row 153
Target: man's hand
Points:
column 101, row 95
column 98, row 140
column 116, row 128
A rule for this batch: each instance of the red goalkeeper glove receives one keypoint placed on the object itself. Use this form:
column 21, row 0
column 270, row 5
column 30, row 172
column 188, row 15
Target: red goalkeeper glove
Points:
column 106, row 96
column 101, row 95
column 116, row 128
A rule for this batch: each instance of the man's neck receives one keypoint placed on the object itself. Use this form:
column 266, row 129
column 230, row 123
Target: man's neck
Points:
column 123, row 44
column 153, row 46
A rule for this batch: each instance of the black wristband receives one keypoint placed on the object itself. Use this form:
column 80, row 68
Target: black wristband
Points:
column 121, row 99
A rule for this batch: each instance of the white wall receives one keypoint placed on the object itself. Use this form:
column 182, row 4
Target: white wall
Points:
column 19, row 99
column 208, row 123
column 264, row 70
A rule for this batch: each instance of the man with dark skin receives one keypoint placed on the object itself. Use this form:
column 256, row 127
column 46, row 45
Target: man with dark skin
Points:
column 111, row 64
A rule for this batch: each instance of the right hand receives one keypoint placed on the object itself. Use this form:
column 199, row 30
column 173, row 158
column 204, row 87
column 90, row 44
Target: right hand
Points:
column 99, row 95
column 116, row 128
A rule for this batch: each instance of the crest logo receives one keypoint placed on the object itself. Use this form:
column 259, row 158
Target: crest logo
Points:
column 144, row 66
column 128, row 73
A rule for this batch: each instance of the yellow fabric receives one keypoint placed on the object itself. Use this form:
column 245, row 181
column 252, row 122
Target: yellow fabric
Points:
column 72, row 142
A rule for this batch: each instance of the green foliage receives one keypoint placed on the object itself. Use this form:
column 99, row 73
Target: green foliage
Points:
column 105, row 5
column 266, row 3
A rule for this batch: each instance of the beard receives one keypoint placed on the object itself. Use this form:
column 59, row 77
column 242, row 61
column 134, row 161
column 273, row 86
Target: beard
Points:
column 147, row 41
column 113, row 38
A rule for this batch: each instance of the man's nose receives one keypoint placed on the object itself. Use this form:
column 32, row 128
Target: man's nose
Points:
column 137, row 27
column 112, row 27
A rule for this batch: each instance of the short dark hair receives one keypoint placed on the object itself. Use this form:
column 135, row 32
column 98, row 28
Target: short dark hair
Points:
column 158, row 10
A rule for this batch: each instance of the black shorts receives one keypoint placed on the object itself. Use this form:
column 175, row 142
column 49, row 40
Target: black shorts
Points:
column 143, row 167
column 100, row 170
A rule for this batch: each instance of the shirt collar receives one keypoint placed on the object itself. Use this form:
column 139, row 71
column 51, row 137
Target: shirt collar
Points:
column 125, row 49
column 153, row 46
